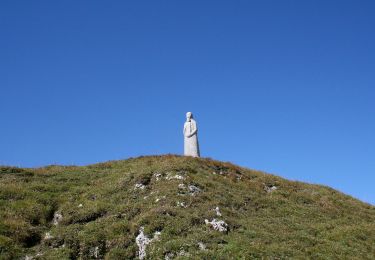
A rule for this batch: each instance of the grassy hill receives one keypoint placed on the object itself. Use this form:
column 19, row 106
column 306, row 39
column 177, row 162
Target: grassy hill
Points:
column 172, row 207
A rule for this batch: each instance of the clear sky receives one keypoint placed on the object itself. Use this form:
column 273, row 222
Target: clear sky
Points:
column 287, row 87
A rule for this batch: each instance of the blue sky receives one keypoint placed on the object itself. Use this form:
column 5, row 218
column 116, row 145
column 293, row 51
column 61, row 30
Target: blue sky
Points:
column 286, row 87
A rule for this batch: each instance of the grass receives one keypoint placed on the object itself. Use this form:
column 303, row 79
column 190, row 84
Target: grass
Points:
column 103, row 211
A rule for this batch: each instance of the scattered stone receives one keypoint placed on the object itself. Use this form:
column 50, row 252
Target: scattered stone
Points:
column 95, row 252
column 270, row 188
column 171, row 255
column 118, row 215
column 139, row 186
column 183, row 253
column 57, row 217
column 194, row 190
column 33, row 257
column 157, row 176
column 48, row 236
column 181, row 204
column 142, row 241
column 181, row 186
column 176, row 177
column 158, row 199
column 218, row 213
column 201, row 246
column 80, row 206
column 218, row 225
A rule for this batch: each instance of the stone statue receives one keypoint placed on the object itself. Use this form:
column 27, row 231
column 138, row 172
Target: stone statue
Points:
column 191, row 146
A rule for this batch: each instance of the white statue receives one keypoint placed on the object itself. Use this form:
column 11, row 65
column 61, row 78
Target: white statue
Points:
column 191, row 146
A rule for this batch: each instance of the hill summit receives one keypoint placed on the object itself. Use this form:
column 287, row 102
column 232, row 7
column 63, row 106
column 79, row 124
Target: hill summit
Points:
column 173, row 207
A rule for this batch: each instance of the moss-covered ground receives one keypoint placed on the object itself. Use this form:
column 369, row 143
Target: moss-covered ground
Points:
column 104, row 206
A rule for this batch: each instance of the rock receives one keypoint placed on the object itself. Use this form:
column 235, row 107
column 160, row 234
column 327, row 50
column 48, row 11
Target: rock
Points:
column 57, row 217
column 218, row 225
column 158, row 199
column 270, row 188
column 157, row 176
column 193, row 190
column 48, row 236
column 139, row 186
column 218, row 213
column 142, row 241
column 171, row 255
column 181, row 204
column 80, row 206
column 96, row 252
column 176, row 177
column 181, row 186
column 201, row 246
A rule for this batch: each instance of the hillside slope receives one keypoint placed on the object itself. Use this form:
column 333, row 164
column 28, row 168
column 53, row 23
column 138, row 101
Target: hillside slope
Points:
column 169, row 207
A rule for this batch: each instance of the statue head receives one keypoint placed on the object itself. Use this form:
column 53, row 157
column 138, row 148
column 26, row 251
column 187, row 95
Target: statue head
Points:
column 189, row 116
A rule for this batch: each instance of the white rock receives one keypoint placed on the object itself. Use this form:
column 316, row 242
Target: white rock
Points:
column 201, row 246
column 48, row 236
column 142, row 241
column 181, row 204
column 171, row 255
column 80, row 206
column 139, row 186
column 181, row 186
column 218, row 213
column 194, row 190
column 218, row 225
column 176, row 177
column 183, row 253
column 270, row 188
column 96, row 252
column 157, row 176
column 156, row 236
column 57, row 217
column 158, row 199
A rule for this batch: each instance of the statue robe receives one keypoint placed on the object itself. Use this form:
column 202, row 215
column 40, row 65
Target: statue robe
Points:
column 191, row 146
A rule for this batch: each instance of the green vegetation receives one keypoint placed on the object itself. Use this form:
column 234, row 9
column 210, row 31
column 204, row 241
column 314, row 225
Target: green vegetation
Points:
column 103, row 207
